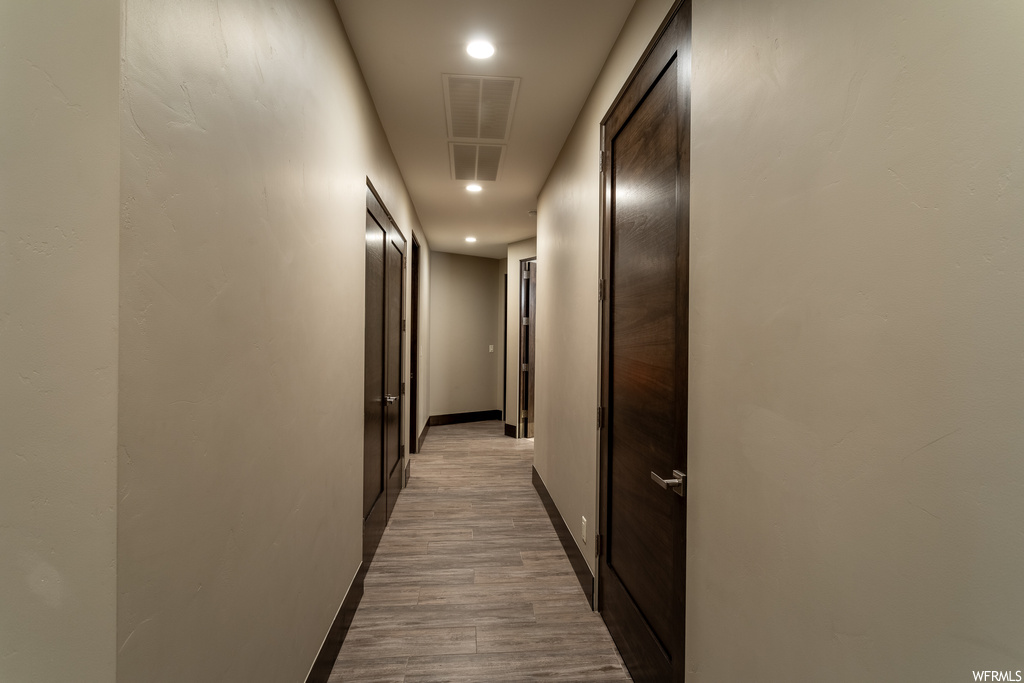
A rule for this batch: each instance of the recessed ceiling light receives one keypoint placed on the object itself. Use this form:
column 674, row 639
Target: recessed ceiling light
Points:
column 474, row 188
column 480, row 49
column 471, row 239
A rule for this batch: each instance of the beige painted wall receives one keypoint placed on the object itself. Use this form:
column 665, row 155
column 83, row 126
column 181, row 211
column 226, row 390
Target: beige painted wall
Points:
column 517, row 251
column 856, row 351
column 247, row 135
column 568, row 336
column 58, row 339
column 499, row 348
column 465, row 321
column 857, row 355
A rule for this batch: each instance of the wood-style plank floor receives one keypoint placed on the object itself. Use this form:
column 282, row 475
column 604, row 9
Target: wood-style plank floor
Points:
column 470, row 582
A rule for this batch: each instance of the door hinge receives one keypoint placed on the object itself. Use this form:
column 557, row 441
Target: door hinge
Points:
column 600, row 163
column 526, row 273
column 403, row 326
column 403, row 388
column 598, row 544
column 524, row 414
column 526, row 368
column 600, row 289
column 526, row 322
column 600, row 417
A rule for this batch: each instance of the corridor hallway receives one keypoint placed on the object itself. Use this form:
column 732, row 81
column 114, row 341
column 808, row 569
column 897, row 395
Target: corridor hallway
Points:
column 470, row 582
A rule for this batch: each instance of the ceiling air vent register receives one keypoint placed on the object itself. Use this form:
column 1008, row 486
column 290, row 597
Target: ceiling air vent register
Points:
column 478, row 110
column 475, row 162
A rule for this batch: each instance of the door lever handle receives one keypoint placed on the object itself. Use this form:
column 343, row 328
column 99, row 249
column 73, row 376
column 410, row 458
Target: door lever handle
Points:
column 390, row 399
column 677, row 484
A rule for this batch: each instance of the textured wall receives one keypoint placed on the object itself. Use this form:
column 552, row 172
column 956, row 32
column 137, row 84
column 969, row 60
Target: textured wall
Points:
column 856, row 341
column 568, row 248
column 499, row 345
column 247, row 135
column 466, row 319
column 58, row 339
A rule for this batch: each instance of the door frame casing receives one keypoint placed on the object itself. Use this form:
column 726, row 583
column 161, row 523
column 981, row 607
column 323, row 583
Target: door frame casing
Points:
column 636, row 89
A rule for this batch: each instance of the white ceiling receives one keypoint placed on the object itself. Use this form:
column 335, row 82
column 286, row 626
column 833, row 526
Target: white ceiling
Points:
column 557, row 48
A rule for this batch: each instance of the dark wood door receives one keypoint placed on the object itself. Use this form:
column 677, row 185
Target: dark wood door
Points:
column 644, row 374
column 374, row 514
column 382, row 402
column 528, row 347
column 393, row 400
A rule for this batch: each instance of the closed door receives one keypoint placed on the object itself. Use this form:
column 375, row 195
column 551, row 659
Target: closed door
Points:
column 644, row 378
column 382, row 389
column 393, row 399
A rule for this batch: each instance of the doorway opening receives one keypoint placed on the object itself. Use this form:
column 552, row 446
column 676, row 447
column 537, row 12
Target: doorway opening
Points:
column 527, row 345
column 414, row 346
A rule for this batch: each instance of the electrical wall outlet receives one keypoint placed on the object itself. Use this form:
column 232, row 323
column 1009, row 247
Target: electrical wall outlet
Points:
column 491, row 349
column 584, row 529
